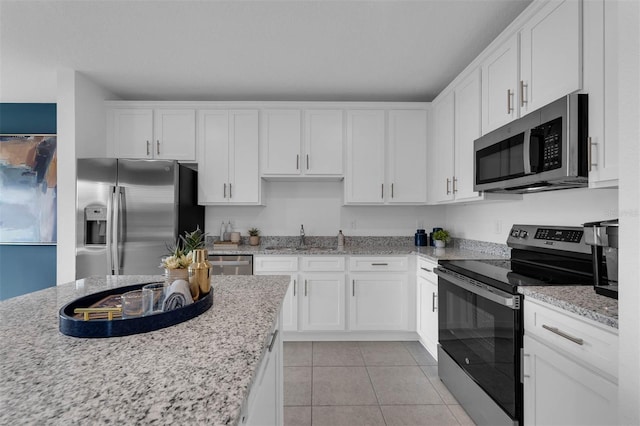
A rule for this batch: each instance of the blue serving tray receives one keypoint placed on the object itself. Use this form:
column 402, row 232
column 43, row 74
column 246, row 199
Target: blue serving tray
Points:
column 78, row 327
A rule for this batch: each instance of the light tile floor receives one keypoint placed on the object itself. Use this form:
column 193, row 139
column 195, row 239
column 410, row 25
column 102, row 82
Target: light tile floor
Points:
column 365, row 383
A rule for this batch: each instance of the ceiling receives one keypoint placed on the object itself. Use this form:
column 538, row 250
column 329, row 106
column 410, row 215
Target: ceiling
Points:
column 246, row 50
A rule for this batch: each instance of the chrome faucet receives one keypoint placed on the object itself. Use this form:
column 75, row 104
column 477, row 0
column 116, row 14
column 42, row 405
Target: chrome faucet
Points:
column 302, row 243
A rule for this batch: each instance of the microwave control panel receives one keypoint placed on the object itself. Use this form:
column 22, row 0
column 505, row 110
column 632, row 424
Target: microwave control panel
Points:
column 550, row 133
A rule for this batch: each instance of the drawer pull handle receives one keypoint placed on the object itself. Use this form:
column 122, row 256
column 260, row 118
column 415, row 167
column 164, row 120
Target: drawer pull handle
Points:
column 353, row 288
column 294, row 288
column 427, row 270
column 379, row 264
column 575, row 340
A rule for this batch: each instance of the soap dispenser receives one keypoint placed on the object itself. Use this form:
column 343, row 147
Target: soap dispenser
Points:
column 340, row 241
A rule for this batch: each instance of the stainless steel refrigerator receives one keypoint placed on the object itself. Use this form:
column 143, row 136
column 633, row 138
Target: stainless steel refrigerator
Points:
column 127, row 211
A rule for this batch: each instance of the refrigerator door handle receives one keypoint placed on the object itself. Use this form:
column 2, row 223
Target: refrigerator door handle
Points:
column 109, row 238
column 116, row 234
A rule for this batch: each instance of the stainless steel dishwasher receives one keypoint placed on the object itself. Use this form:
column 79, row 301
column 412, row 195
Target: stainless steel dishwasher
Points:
column 231, row 264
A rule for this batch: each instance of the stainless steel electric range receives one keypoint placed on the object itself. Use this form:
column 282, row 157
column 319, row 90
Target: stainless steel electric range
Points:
column 481, row 322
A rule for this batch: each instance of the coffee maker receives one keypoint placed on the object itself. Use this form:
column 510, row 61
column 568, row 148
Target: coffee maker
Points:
column 602, row 236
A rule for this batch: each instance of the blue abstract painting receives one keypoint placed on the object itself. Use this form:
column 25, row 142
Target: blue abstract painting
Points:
column 28, row 189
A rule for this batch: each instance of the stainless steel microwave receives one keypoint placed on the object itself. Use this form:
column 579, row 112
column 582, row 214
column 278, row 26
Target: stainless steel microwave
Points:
column 542, row 151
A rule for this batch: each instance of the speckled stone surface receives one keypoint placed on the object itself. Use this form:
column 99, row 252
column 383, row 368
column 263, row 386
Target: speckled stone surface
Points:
column 196, row 372
column 367, row 246
column 581, row 300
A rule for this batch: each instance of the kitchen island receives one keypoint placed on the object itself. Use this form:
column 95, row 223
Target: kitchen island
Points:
column 198, row 371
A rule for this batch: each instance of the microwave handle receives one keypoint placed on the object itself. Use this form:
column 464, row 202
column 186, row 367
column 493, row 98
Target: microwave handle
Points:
column 527, row 152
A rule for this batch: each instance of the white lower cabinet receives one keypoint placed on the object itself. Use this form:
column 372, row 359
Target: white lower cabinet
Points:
column 322, row 307
column 283, row 265
column 264, row 405
column 570, row 369
column 378, row 301
column 427, row 305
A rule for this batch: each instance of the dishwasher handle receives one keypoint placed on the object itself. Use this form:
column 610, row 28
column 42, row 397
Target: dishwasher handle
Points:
column 229, row 262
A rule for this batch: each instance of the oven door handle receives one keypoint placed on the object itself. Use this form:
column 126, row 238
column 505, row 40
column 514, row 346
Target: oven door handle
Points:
column 476, row 287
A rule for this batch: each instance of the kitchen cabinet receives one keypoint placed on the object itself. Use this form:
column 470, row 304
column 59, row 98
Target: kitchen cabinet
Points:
column 499, row 83
column 283, row 265
column 386, row 163
column 323, row 142
column 228, row 160
column 550, row 55
column 265, row 401
column 148, row 133
column 322, row 293
column 456, row 116
column 378, row 300
column 286, row 153
column 407, row 153
column 570, row 368
column 427, row 305
column 601, row 82
column 323, row 304
column 537, row 65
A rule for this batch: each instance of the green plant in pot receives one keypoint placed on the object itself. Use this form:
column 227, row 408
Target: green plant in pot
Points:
column 441, row 237
column 254, row 236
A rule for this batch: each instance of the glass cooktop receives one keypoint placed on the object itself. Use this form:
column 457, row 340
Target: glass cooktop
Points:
column 508, row 275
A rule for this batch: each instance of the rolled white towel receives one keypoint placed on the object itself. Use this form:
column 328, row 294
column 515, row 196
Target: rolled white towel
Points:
column 178, row 295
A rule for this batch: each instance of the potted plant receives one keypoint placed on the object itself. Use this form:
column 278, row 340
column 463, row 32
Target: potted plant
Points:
column 441, row 237
column 176, row 265
column 254, row 236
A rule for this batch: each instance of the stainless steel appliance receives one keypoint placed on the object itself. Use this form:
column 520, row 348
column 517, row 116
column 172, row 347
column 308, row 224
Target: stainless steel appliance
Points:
column 231, row 264
column 480, row 328
column 127, row 211
column 545, row 150
column 602, row 236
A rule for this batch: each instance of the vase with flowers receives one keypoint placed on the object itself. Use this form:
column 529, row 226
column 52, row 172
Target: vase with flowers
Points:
column 176, row 265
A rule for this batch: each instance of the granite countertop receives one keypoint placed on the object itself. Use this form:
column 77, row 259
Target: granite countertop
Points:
column 198, row 371
column 581, row 300
column 376, row 249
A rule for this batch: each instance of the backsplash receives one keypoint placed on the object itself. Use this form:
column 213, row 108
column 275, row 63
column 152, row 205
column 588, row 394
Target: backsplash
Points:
column 483, row 246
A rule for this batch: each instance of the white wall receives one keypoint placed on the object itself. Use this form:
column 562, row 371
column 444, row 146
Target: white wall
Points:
column 81, row 133
column 491, row 221
column 318, row 205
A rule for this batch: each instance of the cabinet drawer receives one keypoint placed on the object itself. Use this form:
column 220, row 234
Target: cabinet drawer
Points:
column 275, row 264
column 424, row 269
column 583, row 340
column 323, row 263
column 369, row 263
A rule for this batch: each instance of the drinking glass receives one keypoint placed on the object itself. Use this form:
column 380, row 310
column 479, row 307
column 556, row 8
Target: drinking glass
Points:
column 153, row 297
column 132, row 304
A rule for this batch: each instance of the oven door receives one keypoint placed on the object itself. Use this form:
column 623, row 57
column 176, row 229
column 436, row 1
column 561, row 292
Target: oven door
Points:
column 480, row 328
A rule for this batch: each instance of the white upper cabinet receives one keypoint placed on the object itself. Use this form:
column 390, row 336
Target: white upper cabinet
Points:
column 288, row 149
column 364, row 180
column 386, row 163
column 407, row 153
column 456, row 116
column 228, row 160
column 281, row 135
column 467, row 117
column 601, row 59
column 537, row 65
column 168, row 134
column 499, row 83
column 550, row 55
column 323, row 142
column 441, row 155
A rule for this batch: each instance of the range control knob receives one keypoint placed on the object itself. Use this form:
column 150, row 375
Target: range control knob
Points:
column 515, row 233
column 523, row 234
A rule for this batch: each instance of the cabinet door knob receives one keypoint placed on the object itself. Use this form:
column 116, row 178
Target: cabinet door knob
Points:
column 224, row 190
column 448, row 191
column 158, row 147
column 298, row 162
column 509, row 108
column 522, row 93
column 148, row 148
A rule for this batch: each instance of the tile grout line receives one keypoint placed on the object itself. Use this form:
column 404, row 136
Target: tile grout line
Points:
column 371, row 382
column 311, row 402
